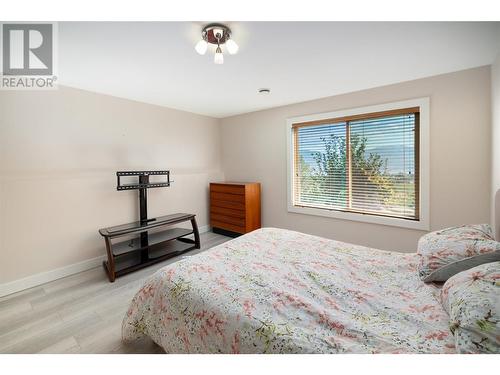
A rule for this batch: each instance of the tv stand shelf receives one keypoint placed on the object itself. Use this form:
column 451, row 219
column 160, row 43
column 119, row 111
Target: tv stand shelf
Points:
column 152, row 241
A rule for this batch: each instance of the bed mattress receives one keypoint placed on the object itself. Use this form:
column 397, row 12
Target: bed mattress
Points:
column 280, row 291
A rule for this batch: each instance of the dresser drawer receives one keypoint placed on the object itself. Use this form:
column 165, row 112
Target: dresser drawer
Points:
column 228, row 219
column 214, row 196
column 239, row 213
column 227, row 226
column 231, row 205
column 229, row 189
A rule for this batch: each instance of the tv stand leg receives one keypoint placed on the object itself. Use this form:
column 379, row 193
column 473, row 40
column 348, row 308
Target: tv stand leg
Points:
column 110, row 265
column 196, row 233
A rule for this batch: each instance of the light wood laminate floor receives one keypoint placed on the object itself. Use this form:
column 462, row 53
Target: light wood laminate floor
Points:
column 81, row 313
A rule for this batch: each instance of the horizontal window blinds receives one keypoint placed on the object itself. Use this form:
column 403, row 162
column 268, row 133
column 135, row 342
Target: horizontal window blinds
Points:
column 367, row 164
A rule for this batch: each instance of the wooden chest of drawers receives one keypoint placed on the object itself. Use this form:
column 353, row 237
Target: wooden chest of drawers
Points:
column 234, row 207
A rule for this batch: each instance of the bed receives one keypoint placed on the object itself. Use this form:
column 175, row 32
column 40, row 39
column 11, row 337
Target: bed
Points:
column 280, row 291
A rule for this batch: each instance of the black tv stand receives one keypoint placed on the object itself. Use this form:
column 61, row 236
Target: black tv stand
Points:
column 153, row 240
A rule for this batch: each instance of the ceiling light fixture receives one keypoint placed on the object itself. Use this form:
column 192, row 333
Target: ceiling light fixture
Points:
column 218, row 35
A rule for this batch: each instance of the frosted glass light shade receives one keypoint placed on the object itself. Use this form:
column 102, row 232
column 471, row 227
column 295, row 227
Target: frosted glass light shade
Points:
column 219, row 58
column 232, row 47
column 201, row 47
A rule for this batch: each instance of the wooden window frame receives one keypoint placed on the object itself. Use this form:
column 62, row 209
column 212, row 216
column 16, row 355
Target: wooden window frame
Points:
column 421, row 109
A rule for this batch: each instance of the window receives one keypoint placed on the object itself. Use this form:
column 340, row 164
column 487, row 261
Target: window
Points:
column 363, row 164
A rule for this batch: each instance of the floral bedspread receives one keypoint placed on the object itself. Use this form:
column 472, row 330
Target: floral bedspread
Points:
column 279, row 291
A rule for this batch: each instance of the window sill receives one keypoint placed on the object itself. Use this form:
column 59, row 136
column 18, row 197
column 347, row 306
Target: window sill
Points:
column 422, row 224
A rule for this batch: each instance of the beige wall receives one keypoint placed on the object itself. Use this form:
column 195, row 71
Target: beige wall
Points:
column 59, row 151
column 495, row 111
column 254, row 148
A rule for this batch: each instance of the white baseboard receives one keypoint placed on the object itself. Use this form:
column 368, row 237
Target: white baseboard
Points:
column 58, row 273
column 45, row 277
column 204, row 229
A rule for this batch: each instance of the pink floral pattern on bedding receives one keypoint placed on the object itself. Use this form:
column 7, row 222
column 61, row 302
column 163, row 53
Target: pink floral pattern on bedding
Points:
column 454, row 249
column 279, row 291
column 472, row 300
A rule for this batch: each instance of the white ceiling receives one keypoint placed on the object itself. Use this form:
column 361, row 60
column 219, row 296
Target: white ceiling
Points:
column 155, row 62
